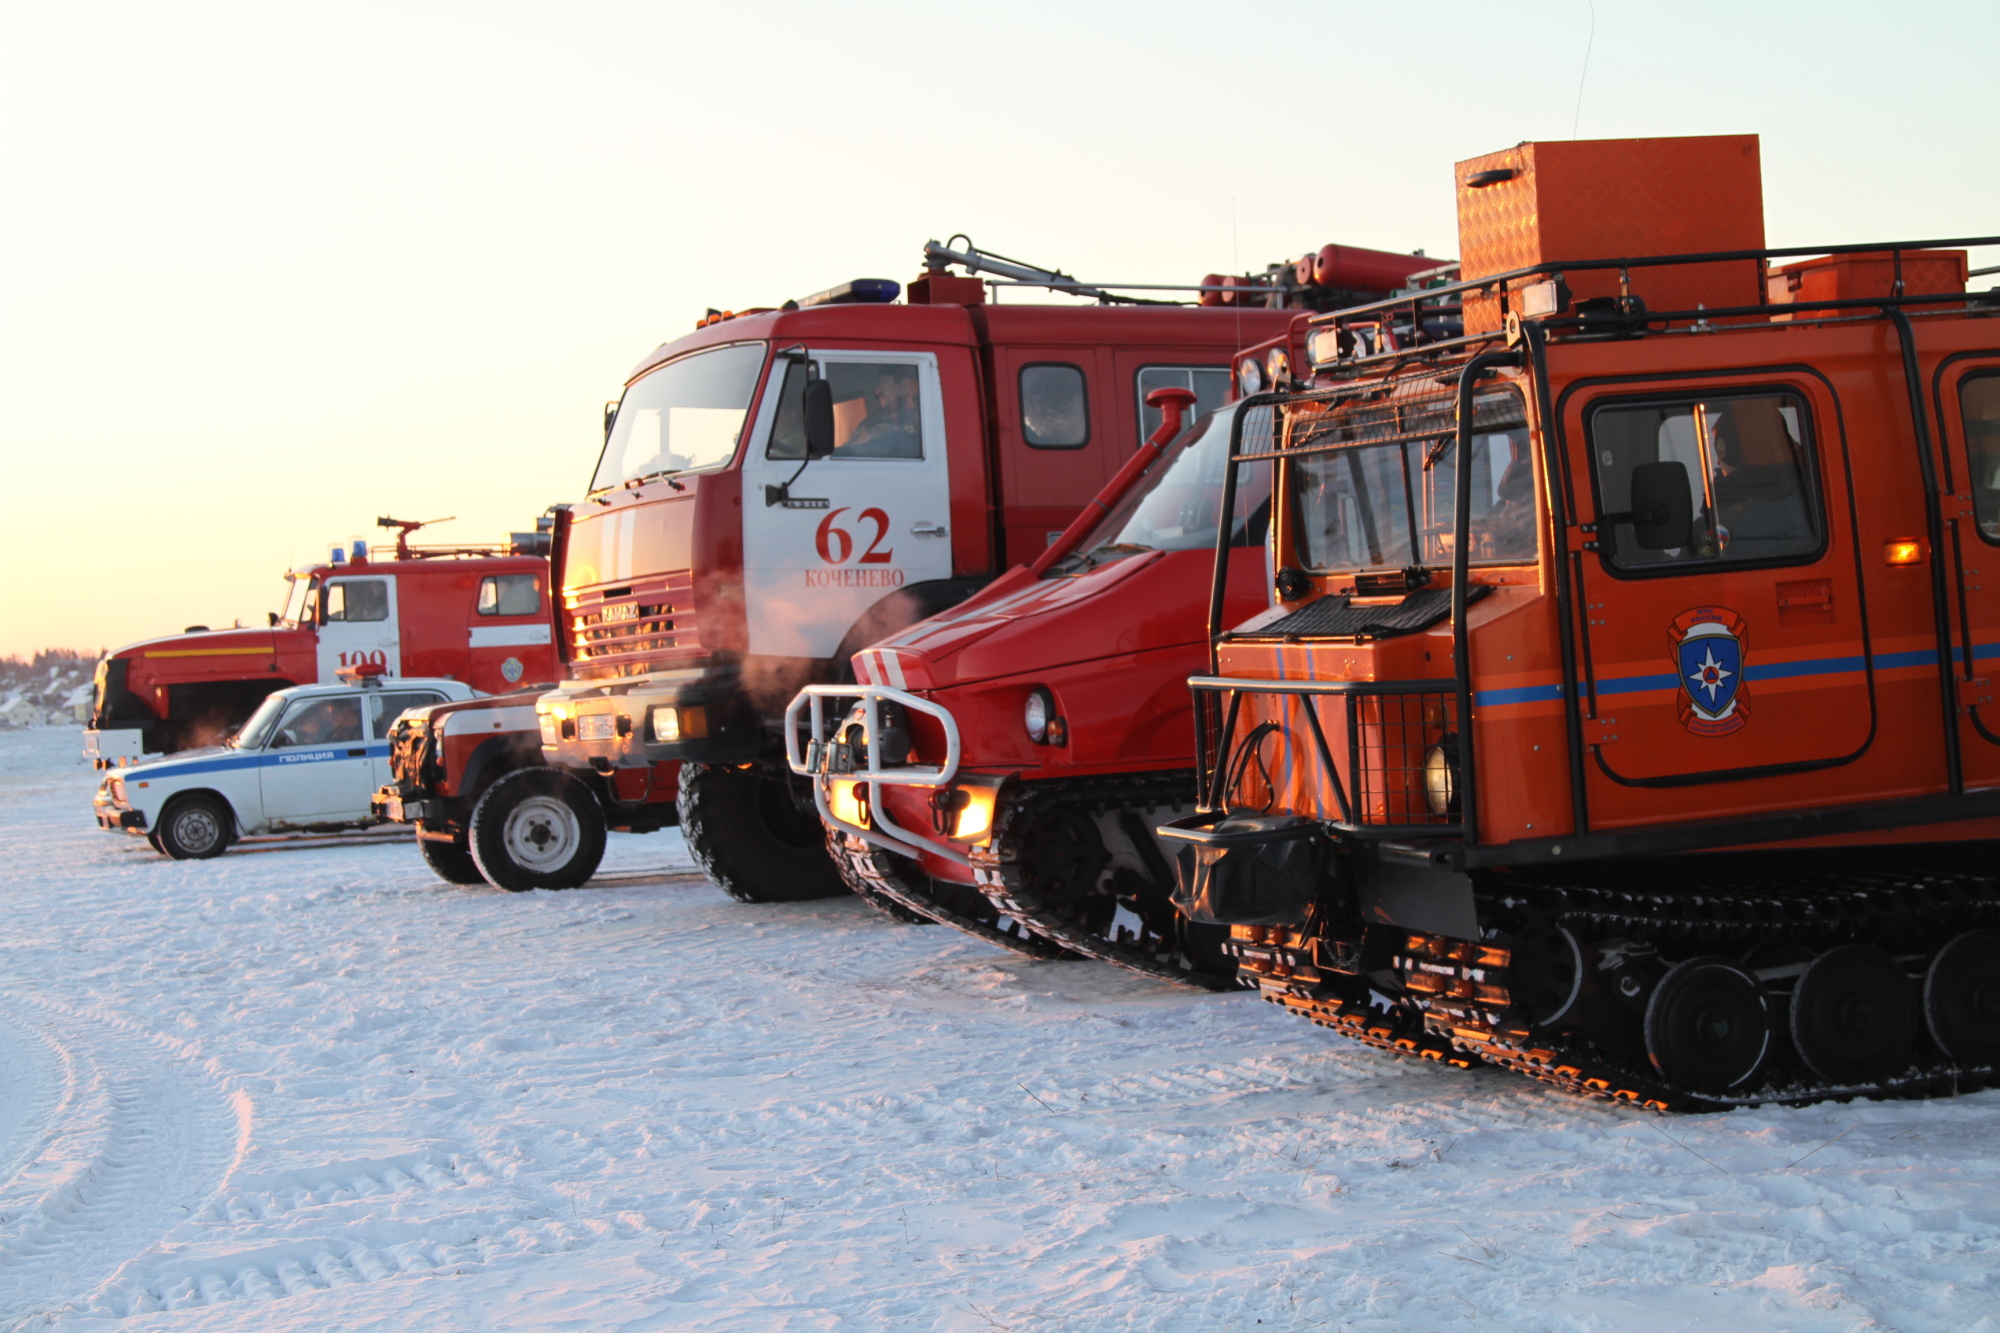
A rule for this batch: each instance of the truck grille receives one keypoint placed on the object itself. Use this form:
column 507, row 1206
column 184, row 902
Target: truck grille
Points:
column 631, row 631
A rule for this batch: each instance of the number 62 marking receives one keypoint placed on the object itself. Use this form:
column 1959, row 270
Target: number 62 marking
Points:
column 835, row 543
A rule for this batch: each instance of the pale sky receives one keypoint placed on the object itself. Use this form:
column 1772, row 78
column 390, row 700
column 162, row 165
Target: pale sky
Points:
column 273, row 269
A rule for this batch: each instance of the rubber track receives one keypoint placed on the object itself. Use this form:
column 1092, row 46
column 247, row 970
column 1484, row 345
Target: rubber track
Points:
column 877, row 878
column 1000, row 876
column 1824, row 909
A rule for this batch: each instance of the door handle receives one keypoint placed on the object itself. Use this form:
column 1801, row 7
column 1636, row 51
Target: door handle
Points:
column 357, row 754
column 927, row 529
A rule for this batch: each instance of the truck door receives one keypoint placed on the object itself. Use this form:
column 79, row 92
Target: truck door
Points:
column 358, row 623
column 316, row 767
column 1967, row 402
column 1733, row 646
column 852, row 528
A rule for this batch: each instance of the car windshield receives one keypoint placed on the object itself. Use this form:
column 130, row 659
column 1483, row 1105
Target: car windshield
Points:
column 1176, row 504
column 1377, row 490
column 682, row 417
column 296, row 595
column 252, row 734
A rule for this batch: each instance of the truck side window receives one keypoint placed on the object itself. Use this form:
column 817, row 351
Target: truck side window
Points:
column 1750, row 476
column 389, row 707
column 877, row 410
column 1055, row 407
column 1979, row 410
column 327, row 721
column 352, row 600
column 1209, row 383
column 510, row 595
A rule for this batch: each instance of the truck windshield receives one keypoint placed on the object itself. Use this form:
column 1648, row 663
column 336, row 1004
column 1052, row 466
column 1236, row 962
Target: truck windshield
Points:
column 297, row 597
column 1377, row 489
column 1177, row 503
column 252, row 734
column 684, row 416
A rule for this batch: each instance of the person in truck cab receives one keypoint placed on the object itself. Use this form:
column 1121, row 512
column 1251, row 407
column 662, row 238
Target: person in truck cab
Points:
column 892, row 428
column 326, row 722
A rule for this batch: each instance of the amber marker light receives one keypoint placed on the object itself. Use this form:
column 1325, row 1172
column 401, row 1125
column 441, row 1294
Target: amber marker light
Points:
column 844, row 799
column 975, row 820
column 1903, row 551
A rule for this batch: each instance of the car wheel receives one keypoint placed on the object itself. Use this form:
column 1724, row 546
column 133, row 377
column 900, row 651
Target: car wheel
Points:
column 450, row 862
column 538, row 828
column 195, row 828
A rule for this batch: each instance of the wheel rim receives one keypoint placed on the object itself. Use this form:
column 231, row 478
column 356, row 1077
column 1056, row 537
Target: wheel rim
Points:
column 541, row 834
column 1854, row 1014
column 1707, row 1027
column 1962, row 997
column 197, row 829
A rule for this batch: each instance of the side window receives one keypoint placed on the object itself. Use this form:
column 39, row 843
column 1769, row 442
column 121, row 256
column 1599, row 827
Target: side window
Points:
column 877, row 410
column 389, row 707
column 1746, row 461
column 1979, row 409
column 325, row 721
column 510, row 595
column 1055, row 406
column 353, row 600
column 1210, row 385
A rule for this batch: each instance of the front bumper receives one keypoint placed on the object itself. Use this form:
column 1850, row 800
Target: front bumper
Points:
column 859, row 811
column 389, row 803
column 113, row 747
column 702, row 717
column 113, row 820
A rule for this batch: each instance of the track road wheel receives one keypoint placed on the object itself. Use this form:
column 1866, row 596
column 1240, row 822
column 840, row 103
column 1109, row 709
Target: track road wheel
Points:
column 1854, row 1015
column 1707, row 1027
column 195, row 828
column 450, row 862
column 1962, row 997
column 752, row 838
column 537, row 828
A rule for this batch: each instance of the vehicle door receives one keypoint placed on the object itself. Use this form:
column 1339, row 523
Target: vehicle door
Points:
column 316, row 767
column 510, row 632
column 853, row 528
column 1724, row 630
column 358, row 623
column 1966, row 398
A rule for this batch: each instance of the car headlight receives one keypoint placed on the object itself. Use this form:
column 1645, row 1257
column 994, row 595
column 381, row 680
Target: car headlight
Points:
column 1279, row 366
column 1045, row 726
column 666, row 723
column 1441, row 776
column 1249, row 377
column 551, row 726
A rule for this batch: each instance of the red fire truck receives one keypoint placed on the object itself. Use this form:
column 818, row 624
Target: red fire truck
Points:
column 1624, row 716
column 480, row 614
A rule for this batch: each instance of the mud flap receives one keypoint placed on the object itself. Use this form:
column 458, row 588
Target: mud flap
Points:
column 1402, row 886
column 1259, row 870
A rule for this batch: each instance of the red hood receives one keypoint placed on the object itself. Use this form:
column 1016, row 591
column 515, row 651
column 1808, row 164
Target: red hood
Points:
column 1150, row 601
column 214, row 643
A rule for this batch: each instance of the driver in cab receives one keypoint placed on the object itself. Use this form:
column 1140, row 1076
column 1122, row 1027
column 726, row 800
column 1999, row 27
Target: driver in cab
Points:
column 326, row 722
column 892, row 428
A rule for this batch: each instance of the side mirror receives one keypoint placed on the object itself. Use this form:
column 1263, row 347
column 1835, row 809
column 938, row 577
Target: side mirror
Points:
column 610, row 416
column 1662, row 506
column 818, row 418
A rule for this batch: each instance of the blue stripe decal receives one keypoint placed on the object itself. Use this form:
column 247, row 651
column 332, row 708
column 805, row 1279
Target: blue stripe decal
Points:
column 272, row 759
column 1521, row 694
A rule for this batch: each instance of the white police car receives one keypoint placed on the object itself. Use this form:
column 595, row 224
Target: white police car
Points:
column 308, row 759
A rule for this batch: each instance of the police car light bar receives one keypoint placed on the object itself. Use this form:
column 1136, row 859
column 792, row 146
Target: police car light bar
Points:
column 868, row 291
column 363, row 673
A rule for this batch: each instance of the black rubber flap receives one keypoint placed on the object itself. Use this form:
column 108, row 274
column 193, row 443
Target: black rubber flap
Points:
column 1336, row 617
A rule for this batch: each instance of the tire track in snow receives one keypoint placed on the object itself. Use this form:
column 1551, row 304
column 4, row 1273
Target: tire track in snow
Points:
column 124, row 1141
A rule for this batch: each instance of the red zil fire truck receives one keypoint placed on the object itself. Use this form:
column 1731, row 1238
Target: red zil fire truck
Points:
column 704, row 581
column 480, row 614
column 1625, row 716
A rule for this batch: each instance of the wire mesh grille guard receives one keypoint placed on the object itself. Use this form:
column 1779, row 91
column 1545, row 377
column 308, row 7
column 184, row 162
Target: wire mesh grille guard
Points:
column 1396, row 411
column 1351, row 753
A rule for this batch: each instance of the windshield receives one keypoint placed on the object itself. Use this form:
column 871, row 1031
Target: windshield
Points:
column 1176, row 504
column 252, row 734
column 684, row 416
column 1386, row 499
column 295, row 598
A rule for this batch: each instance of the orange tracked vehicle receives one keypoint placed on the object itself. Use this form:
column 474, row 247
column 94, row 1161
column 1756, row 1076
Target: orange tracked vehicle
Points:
column 1625, row 716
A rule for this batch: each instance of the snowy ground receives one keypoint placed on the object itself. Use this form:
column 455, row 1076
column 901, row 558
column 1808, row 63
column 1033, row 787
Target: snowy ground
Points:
column 316, row 1089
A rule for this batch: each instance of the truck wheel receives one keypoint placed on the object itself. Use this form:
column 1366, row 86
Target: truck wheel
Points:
column 538, row 828
column 450, row 862
column 194, row 828
column 750, row 837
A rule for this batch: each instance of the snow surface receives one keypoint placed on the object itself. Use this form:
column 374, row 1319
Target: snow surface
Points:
column 312, row 1088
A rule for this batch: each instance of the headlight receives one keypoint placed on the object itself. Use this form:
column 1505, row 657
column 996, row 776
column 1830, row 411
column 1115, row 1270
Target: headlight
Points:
column 1440, row 776
column 551, row 726
column 1279, row 366
column 666, row 723
column 1035, row 716
column 1323, row 345
column 1249, row 377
